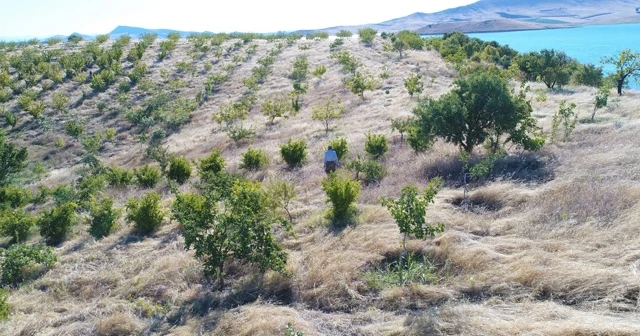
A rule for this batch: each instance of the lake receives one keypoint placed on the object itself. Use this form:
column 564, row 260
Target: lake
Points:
column 586, row 44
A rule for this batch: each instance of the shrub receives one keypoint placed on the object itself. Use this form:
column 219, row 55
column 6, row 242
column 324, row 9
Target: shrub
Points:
column 179, row 169
column 344, row 33
column 21, row 261
column 36, row 109
column 17, row 224
column 275, row 107
column 360, row 83
column 56, row 223
column 341, row 192
column 565, row 117
column 64, row 193
column 367, row 35
column 119, row 177
column 410, row 210
column 254, row 159
column 214, row 163
column 376, row 145
column 138, row 71
column 102, row 217
column 145, row 213
column 59, row 101
column 414, row 84
column 12, row 159
column 74, row 129
column 340, row 146
column 373, row 171
column 102, row 38
column 147, row 176
column 319, row 71
column 14, row 197
column 4, row 305
column 294, row 153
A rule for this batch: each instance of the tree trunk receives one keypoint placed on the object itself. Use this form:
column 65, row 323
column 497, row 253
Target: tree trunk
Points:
column 220, row 279
column 620, row 83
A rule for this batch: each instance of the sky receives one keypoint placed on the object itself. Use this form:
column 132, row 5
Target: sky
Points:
column 43, row 18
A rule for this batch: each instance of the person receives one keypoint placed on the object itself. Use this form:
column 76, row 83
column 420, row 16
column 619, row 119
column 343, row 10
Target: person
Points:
column 330, row 160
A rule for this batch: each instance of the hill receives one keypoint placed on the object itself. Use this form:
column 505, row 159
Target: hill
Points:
column 501, row 15
column 546, row 246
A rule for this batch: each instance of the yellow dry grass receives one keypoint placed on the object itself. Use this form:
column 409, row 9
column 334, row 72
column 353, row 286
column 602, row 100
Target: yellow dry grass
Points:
column 550, row 247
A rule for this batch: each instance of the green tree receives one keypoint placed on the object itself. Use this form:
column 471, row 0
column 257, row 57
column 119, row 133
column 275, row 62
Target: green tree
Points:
column 276, row 107
column 367, row 35
column 238, row 226
column 344, row 33
column 480, row 108
column 17, row 224
column 565, row 117
column 340, row 146
column 550, row 66
column 145, row 213
column 56, row 223
column 254, row 159
column 102, row 217
column 414, row 84
column 294, row 152
column 410, row 211
column 360, row 83
column 376, row 145
column 212, row 164
column 60, row 101
column 12, row 159
column 147, row 176
column 341, row 192
column 179, row 169
column 627, row 65
column 328, row 112
column 601, row 100
column 280, row 194
column 20, row 261
column 402, row 125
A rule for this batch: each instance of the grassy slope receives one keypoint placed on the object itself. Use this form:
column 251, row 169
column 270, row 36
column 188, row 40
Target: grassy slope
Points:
column 553, row 251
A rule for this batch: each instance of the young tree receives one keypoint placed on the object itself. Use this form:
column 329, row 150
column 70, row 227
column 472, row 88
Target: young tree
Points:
column 565, row 117
column 627, row 65
column 367, row 35
column 237, row 226
column 414, row 84
column 341, row 192
column 145, row 213
column 56, row 224
column 360, row 83
column 280, row 194
column 12, row 159
column 327, row 112
column 481, row 107
column 276, row 107
column 550, row 66
column 344, row 33
column 601, row 100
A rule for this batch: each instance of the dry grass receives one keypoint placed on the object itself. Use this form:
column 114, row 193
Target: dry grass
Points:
column 549, row 246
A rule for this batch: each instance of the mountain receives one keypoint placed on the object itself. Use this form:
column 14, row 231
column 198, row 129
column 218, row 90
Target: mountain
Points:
column 503, row 15
column 136, row 31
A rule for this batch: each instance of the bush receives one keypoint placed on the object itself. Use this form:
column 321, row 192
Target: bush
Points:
column 294, row 153
column 179, row 169
column 344, row 33
column 4, row 305
column 145, row 213
column 59, row 101
column 102, row 217
column 214, row 163
column 17, row 224
column 339, row 145
column 21, row 261
column 254, row 159
column 56, row 223
column 373, row 171
column 376, row 145
column 119, row 177
column 14, row 197
column 74, row 129
column 147, row 176
column 367, row 35
column 12, row 159
column 341, row 192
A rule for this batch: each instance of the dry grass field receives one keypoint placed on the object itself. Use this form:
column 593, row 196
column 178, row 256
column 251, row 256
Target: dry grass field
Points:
column 550, row 245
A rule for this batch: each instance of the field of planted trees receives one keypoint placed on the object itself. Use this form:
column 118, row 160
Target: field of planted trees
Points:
column 176, row 187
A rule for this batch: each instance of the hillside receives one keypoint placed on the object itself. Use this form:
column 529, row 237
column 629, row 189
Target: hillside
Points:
column 501, row 15
column 547, row 247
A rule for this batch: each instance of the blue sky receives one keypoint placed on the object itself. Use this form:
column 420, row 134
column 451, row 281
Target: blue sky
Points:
column 42, row 18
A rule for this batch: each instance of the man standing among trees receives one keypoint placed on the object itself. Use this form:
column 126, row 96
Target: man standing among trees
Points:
column 330, row 160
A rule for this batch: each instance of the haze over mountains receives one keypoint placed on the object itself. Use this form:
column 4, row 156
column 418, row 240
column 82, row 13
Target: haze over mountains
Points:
column 482, row 16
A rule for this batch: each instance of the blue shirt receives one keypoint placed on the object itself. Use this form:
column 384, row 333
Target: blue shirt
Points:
column 330, row 156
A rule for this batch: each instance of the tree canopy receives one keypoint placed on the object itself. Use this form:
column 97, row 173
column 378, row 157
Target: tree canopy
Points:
column 480, row 108
column 627, row 65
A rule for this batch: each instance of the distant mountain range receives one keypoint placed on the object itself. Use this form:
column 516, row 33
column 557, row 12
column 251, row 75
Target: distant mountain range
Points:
column 481, row 16
column 507, row 15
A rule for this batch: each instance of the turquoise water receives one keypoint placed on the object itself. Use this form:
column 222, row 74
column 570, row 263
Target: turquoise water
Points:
column 587, row 44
